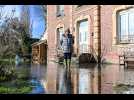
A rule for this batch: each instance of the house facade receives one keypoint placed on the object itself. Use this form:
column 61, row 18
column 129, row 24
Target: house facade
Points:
column 103, row 30
column 117, row 31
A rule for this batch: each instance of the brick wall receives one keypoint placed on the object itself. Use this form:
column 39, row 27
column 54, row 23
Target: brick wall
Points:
column 72, row 16
column 55, row 22
column 110, row 51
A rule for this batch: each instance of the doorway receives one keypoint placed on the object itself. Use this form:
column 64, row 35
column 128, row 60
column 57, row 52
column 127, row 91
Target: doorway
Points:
column 83, row 36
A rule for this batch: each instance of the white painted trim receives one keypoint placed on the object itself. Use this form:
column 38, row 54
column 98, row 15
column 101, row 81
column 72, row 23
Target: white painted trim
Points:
column 114, row 21
column 80, row 18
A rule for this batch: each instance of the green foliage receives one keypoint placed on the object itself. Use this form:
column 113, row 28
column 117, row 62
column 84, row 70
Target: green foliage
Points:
column 19, row 84
column 25, row 42
column 6, row 61
column 6, row 72
column 15, row 90
column 7, row 69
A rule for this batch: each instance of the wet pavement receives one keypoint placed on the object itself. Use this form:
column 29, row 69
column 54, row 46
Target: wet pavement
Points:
column 82, row 79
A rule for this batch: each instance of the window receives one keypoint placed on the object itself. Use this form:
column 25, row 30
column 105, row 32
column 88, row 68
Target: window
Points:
column 126, row 26
column 79, row 6
column 59, row 35
column 60, row 10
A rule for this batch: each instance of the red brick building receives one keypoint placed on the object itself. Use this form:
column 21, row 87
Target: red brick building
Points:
column 113, row 24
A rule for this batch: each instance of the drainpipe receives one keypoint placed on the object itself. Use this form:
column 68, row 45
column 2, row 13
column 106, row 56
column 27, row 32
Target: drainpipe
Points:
column 99, row 33
column 99, row 48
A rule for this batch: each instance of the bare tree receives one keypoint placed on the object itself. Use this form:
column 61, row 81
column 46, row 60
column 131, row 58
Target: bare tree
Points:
column 9, row 40
column 11, row 32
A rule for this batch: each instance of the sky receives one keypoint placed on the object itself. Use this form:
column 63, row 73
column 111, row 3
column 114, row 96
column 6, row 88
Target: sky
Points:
column 36, row 18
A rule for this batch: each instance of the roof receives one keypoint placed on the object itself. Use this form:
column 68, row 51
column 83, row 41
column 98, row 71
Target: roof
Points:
column 40, row 42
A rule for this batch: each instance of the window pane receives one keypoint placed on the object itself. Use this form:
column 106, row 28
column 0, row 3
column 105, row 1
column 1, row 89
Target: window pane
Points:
column 124, row 26
column 61, row 7
column 131, row 23
column 60, row 32
column 59, row 35
column 79, row 5
column 85, row 36
column 83, row 29
column 60, row 10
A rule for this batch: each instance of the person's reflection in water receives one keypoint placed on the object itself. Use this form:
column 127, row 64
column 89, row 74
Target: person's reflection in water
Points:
column 67, row 86
column 68, row 82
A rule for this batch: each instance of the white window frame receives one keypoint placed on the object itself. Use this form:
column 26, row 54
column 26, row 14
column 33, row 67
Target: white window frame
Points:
column 129, row 36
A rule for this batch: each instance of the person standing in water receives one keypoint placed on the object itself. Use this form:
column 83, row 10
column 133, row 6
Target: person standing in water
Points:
column 67, row 42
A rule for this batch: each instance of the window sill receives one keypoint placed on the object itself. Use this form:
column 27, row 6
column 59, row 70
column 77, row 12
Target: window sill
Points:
column 123, row 43
column 60, row 16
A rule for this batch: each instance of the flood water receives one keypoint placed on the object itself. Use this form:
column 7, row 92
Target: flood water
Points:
column 81, row 79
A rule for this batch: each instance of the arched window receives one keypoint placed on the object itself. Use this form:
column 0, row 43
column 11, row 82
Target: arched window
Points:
column 59, row 35
column 125, row 27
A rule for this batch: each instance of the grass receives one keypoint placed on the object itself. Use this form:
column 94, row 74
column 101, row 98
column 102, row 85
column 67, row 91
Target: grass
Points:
column 17, row 84
column 15, row 90
column 7, row 61
column 12, row 61
column 14, row 81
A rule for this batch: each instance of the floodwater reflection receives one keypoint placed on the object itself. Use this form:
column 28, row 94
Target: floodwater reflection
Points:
column 65, row 86
column 86, row 79
column 81, row 79
column 76, row 81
